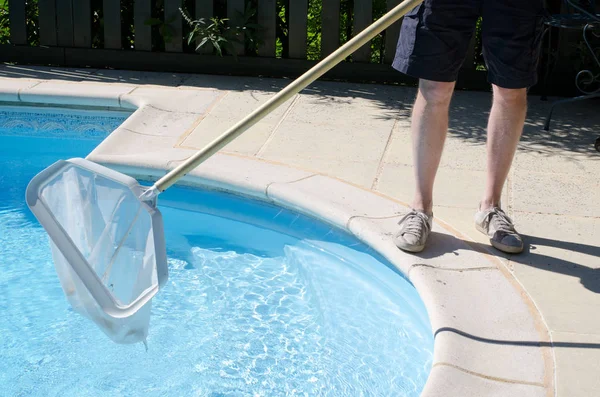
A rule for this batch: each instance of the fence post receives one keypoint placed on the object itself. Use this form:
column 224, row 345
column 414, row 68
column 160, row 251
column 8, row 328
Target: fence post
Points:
column 234, row 7
column 47, row 21
column 267, row 19
column 64, row 23
column 391, row 35
column 330, row 22
column 363, row 17
column 18, row 24
column 82, row 23
column 142, row 11
column 174, row 19
column 298, row 28
column 112, row 24
column 204, row 9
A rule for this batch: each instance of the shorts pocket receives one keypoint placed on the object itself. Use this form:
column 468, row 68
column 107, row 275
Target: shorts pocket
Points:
column 408, row 32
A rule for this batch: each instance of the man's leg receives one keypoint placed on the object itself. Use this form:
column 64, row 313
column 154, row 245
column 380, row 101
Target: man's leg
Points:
column 434, row 40
column 428, row 128
column 505, row 127
column 429, row 125
column 512, row 33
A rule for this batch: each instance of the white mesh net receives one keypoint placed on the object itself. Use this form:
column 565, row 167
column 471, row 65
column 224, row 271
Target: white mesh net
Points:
column 113, row 231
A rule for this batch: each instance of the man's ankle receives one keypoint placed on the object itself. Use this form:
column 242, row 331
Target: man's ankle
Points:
column 422, row 206
column 487, row 204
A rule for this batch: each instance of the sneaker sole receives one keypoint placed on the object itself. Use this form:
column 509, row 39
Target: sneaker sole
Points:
column 506, row 248
column 409, row 248
column 499, row 246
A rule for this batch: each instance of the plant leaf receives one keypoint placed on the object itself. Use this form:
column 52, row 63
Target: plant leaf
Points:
column 204, row 40
column 218, row 48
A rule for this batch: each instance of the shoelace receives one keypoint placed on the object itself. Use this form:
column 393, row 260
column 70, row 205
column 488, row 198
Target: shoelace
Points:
column 501, row 222
column 415, row 223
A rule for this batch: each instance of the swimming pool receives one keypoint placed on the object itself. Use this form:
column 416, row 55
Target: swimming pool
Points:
column 260, row 300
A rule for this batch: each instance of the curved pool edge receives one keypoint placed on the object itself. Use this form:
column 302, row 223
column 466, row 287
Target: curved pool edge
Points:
column 483, row 320
column 479, row 338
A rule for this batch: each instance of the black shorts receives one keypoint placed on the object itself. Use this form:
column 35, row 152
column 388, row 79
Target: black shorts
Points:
column 435, row 38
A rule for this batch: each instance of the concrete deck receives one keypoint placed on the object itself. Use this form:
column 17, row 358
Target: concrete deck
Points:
column 360, row 134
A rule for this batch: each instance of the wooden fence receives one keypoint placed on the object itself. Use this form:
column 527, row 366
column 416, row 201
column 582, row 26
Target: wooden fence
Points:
column 67, row 34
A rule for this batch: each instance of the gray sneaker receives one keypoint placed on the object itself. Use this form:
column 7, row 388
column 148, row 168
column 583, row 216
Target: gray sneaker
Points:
column 495, row 224
column 414, row 230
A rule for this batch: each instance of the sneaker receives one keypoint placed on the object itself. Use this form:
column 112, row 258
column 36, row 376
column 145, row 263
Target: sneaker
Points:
column 414, row 230
column 495, row 224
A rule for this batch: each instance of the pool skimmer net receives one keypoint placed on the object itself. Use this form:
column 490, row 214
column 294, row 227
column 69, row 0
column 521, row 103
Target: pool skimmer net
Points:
column 106, row 232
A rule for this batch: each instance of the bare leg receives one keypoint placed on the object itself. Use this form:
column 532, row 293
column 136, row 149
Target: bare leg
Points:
column 505, row 127
column 428, row 128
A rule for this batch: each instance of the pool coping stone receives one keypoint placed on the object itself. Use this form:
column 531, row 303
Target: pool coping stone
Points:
column 483, row 318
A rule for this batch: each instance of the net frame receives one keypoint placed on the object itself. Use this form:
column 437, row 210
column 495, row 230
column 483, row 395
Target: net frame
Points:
column 109, row 304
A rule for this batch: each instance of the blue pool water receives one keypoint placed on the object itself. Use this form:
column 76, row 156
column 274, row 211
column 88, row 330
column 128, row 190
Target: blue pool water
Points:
column 260, row 301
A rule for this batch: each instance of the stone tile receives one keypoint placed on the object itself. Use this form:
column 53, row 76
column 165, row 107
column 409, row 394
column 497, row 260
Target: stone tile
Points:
column 18, row 72
column 451, row 382
column 48, row 73
column 481, row 323
column 535, row 157
column 136, row 77
column 332, row 200
column 563, row 251
column 245, row 175
column 343, row 112
column 72, row 74
column 462, row 155
column 573, row 128
column 469, row 113
column 235, row 83
column 152, row 121
column 85, row 94
column 359, row 173
column 396, row 181
column 9, row 88
column 386, row 101
column 141, row 164
column 242, row 175
column 294, row 139
column 453, row 297
column 399, row 151
column 210, row 127
column 560, row 284
column 458, row 153
column 577, row 364
column 492, row 358
column 453, row 187
column 230, row 109
column 566, row 148
column 181, row 100
column 444, row 249
column 248, row 176
column 123, row 142
column 569, row 316
column 462, row 221
column 370, row 232
column 551, row 193
column 561, row 269
column 237, row 105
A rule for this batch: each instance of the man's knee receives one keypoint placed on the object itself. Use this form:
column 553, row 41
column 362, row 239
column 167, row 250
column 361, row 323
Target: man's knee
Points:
column 510, row 96
column 436, row 92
